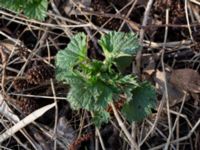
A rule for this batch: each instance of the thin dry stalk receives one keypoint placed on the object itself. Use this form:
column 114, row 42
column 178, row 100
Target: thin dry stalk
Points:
column 66, row 30
column 165, row 79
column 4, row 59
column 100, row 139
column 124, row 129
column 178, row 116
column 56, row 112
column 116, row 15
column 155, row 122
column 37, row 96
column 133, row 133
column 22, row 20
column 187, row 19
column 195, row 10
column 195, row 1
column 180, row 139
column 176, row 44
column 128, row 14
column 142, row 32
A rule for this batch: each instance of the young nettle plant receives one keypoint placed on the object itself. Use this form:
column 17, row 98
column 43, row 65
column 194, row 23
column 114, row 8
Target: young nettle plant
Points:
column 95, row 84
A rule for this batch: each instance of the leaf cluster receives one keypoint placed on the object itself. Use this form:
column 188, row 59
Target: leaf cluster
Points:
column 94, row 84
column 35, row 9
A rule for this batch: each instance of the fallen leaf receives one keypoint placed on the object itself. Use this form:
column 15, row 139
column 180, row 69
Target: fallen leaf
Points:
column 148, row 64
column 186, row 79
column 175, row 95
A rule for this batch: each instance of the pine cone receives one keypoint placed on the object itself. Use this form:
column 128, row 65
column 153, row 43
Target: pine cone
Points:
column 26, row 105
column 120, row 3
column 20, row 84
column 78, row 141
column 23, row 52
column 39, row 74
column 100, row 5
column 118, row 105
column 104, row 7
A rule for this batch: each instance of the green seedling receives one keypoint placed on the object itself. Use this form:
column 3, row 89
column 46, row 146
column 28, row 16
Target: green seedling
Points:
column 95, row 84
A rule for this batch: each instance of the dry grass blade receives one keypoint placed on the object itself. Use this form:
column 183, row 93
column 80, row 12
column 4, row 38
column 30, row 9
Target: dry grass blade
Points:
column 165, row 82
column 186, row 79
column 124, row 129
column 180, row 139
column 195, row 1
column 142, row 32
column 6, row 111
column 24, row 122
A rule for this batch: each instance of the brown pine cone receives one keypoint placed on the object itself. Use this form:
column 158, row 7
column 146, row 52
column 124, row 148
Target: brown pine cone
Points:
column 120, row 3
column 78, row 141
column 20, row 84
column 39, row 74
column 118, row 105
column 196, row 47
column 26, row 105
column 103, row 7
column 100, row 5
column 23, row 52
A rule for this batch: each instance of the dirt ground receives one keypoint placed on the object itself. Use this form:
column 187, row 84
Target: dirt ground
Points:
column 169, row 35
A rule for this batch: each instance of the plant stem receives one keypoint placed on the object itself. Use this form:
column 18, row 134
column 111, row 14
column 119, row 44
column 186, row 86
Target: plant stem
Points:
column 100, row 139
column 122, row 126
column 133, row 133
column 99, row 135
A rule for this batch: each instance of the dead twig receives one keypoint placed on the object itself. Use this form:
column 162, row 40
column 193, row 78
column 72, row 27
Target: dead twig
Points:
column 142, row 32
column 124, row 129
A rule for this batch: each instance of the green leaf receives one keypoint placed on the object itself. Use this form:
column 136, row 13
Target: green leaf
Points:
column 95, row 67
column 76, row 52
column 90, row 96
column 70, row 78
column 119, row 44
column 14, row 5
column 100, row 117
column 127, row 84
column 102, row 94
column 128, row 80
column 95, row 83
column 123, row 62
column 61, row 67
column 142, row 102
column 35, row 9
column 80, row 97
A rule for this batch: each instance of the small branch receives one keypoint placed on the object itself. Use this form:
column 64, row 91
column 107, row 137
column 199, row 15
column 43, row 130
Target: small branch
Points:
column 187, row 19
column 122, row 126
column 180, row 139
column 133, row 133
column 100, row 139
column 4, row 58
column 165, row 81
column 56, row 113
column 99, row 136
column 142, row 31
